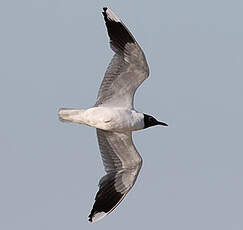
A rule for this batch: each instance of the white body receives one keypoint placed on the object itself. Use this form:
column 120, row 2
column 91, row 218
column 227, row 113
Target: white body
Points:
column 105, row 118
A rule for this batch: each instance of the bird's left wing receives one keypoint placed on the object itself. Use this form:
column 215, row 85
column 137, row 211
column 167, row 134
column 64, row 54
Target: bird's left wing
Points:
column 122, row 164
column 127, row 69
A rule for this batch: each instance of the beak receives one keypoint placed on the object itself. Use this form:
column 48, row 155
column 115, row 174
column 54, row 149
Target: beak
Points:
column 162, row 123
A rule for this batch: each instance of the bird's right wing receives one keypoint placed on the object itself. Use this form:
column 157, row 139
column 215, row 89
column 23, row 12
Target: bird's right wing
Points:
column 122, row 164
column 127, row 69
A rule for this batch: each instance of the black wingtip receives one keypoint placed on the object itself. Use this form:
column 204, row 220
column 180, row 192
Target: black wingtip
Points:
column 90, row 218
column 104, row 13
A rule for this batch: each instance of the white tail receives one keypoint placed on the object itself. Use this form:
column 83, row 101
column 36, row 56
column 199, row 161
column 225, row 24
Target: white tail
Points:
column 70, row 115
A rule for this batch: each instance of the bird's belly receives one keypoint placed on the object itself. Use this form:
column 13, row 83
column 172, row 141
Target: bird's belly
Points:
column 115, row 119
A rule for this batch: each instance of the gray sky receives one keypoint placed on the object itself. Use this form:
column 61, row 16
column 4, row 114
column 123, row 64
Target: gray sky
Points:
column 54, row 54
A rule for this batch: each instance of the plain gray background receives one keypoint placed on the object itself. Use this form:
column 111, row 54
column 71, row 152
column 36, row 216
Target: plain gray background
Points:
column 54, row 54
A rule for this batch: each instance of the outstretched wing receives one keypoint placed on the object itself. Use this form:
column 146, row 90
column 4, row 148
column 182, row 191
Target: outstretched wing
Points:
column 122, row 164
column 127, row 69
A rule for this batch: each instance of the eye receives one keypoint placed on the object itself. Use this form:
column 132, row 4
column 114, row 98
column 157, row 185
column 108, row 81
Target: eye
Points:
column 151, row 118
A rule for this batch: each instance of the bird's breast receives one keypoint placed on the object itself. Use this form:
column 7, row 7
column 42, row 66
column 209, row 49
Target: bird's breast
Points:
column 114, row 119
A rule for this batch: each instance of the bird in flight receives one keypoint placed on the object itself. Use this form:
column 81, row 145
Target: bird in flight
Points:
column 115, row 118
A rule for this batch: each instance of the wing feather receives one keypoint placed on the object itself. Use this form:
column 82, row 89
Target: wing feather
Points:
column 122, row 163
column 127, row 69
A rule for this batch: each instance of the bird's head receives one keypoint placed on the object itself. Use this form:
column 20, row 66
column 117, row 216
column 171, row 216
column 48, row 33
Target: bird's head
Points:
column 151, row 121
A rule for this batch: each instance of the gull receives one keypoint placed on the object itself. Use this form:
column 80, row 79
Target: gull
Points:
column 115, row 118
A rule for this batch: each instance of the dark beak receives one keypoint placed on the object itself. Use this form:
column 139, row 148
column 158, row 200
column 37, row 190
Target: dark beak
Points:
column 162, row 123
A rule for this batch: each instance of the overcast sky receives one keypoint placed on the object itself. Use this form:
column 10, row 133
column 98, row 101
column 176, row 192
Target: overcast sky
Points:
column 54, row 54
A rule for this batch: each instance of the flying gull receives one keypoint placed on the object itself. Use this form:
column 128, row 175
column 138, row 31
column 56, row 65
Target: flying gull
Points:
column 114, row 117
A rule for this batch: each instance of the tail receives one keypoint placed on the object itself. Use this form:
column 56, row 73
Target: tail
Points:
column 70, row 115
